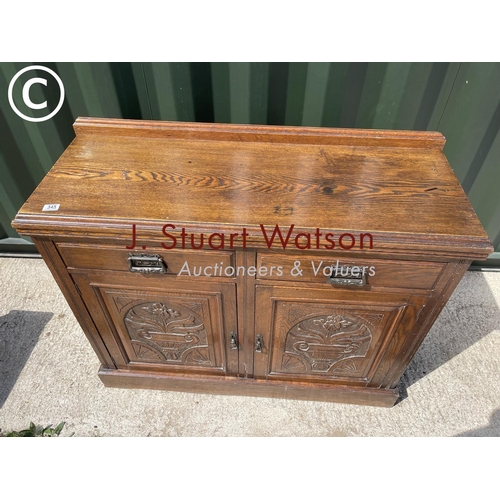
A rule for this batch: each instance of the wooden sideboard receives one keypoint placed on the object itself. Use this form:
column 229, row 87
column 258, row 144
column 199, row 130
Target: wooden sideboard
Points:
column 285, row 262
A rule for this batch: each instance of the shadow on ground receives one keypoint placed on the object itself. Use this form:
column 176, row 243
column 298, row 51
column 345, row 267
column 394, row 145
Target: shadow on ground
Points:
column 19, row 333
column 491, row 430
column 465, row 320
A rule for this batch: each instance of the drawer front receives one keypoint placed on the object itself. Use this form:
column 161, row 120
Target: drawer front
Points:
column 203, row 263
column 375, row 272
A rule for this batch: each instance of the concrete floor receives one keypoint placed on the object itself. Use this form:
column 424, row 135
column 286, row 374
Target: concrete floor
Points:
column 48, row 374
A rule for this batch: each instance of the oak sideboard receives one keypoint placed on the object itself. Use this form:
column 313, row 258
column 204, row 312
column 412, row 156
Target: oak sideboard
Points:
column 287, row 262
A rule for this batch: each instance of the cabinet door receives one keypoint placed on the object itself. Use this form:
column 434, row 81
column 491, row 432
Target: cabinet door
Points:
column 319, row 335
column 163, row 324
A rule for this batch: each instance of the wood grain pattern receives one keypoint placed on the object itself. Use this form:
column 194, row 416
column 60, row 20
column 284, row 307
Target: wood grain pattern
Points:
column 246, row 314
column 112, row 296
column 130, row 379
column 404, row 345
column 259, row 133
column 116, row 259
column 384, row 273
column 73, row 296
column 105, row 181
column 263, row 334
column 291, row 321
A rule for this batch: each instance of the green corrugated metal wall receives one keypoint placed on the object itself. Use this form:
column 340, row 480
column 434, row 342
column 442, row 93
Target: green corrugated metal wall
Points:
column 461, row 100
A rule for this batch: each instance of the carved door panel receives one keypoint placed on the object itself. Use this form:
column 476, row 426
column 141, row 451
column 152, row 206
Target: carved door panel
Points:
column 159, row 324
column 327, row 335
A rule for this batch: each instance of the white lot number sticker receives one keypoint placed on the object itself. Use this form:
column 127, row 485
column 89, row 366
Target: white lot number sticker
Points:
column 51, row 207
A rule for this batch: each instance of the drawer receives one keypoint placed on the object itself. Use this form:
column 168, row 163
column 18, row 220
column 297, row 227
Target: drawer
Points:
column 377, row 272
column 205, row 263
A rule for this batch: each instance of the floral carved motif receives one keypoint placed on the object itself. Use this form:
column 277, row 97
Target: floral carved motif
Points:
column 170, row 333
column 321, row 344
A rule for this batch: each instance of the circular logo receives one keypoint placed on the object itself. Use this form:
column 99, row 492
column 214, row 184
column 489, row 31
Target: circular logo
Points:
column 26, row 93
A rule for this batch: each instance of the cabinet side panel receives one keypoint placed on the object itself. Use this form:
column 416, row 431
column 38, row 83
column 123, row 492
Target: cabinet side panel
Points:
column 401, row 350
column 56, row 266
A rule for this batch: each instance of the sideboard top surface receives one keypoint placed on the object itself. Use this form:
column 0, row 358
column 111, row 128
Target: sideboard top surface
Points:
column 397, row 185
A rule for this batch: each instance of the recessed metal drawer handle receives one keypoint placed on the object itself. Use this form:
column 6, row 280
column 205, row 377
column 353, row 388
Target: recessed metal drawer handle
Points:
column 146, row 263
column 259, row 343
column 233, row 342
column 350, row 280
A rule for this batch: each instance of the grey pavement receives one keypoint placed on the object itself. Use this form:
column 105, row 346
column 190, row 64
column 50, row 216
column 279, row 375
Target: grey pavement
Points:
column 48, row 374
